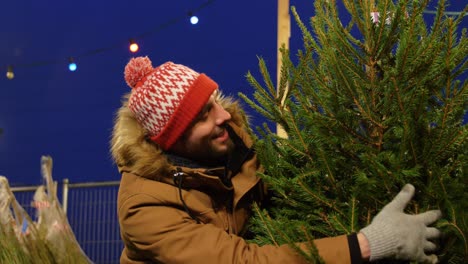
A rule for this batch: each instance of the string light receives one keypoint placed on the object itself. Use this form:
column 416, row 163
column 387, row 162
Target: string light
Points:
column 133, row 46
column 193, row 18
column 10, row 74
column 72, row 65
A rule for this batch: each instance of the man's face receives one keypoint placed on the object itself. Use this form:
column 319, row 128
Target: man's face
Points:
column 206, row 140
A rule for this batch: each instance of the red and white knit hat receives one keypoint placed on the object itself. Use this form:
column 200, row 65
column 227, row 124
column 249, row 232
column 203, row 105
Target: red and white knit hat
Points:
column 166, row 99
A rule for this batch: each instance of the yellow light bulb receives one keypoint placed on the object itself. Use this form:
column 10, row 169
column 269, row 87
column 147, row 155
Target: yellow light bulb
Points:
column 134, row 47
column 10, row 74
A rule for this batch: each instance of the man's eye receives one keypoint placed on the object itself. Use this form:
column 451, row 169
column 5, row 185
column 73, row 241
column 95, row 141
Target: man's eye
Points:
column 205, row 113
column 204, row 117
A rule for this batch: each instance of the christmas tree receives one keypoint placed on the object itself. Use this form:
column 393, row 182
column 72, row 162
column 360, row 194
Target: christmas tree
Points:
column 367, row 107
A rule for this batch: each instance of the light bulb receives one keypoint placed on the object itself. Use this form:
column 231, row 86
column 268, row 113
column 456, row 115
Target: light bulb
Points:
column 72, row 65
column 10, row 74
column 194, row 20
column 133, row 46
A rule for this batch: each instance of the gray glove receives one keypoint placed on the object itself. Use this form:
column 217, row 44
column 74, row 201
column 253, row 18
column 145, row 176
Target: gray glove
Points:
column 394, row 234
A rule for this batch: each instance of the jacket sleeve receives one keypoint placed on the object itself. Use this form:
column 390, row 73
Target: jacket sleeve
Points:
column 167, row 234
column 336, row 250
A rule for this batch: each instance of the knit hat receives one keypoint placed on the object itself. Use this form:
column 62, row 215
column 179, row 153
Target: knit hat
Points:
column 166, row 99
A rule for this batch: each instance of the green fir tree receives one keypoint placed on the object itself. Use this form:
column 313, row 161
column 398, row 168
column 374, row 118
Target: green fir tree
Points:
column 368, row 106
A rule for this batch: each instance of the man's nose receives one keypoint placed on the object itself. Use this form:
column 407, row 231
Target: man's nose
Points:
column 221, row 115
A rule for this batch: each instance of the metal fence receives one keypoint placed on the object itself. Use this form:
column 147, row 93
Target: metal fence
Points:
column 91, row 211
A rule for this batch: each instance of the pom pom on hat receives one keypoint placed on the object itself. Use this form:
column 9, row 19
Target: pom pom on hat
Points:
column 136, row 69
column 166, row 99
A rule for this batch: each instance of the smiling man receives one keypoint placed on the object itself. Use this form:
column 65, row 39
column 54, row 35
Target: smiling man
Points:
column 207, row 138
column 189, row 180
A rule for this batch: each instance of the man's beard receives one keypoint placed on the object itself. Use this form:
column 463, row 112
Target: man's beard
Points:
column 215, row 157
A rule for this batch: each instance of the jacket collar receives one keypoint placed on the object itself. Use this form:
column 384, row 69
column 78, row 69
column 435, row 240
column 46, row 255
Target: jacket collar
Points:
column 196, row 175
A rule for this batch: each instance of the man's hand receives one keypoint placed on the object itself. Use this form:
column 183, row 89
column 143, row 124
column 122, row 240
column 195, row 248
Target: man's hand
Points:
column 394, row 234
column 363, row 246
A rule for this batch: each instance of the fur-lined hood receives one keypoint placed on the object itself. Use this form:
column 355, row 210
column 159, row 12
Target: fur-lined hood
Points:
column 131, row 148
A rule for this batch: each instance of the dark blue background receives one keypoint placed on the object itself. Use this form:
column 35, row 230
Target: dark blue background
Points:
column 48, row 110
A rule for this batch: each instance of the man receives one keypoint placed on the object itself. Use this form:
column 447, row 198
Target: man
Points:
column 189, row 179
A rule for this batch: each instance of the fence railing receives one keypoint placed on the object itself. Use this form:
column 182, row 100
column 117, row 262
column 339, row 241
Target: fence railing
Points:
column 91, row 210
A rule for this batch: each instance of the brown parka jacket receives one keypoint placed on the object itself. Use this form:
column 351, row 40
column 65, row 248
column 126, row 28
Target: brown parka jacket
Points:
column 174, row 213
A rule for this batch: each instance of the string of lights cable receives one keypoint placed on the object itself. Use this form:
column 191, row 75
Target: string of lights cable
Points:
column 71, row 61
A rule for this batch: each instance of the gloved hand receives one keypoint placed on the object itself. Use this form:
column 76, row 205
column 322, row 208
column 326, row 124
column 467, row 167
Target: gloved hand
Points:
column 394, row 234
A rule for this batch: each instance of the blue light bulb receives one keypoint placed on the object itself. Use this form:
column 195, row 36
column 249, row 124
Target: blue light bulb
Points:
column 72, row 66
